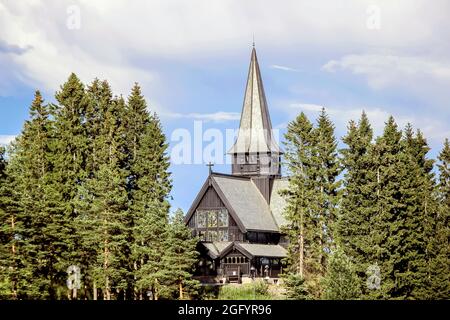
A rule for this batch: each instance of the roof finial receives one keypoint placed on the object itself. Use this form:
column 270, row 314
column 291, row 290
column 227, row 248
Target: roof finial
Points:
column 210, row 165
column 253, row 40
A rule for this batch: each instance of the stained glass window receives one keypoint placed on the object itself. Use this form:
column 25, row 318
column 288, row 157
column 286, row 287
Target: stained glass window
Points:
column 223, row 218
column 223, row 235
column 201, row 219
column 212, row 219
column 212, row 235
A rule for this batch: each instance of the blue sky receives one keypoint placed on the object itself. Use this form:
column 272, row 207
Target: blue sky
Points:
column 191, row 59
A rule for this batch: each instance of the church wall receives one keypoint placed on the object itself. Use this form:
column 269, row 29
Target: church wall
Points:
column 214, row 230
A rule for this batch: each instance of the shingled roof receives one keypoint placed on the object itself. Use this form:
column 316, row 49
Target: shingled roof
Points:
column 262, row 250
column 255, row 128
column 218, row 249
column 277, row 201
column 245, row 202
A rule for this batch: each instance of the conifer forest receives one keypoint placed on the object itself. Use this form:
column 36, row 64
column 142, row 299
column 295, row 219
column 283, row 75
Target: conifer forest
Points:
column 85, row 193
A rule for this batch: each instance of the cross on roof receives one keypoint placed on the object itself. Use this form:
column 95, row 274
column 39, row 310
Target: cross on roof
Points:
column 210, row 165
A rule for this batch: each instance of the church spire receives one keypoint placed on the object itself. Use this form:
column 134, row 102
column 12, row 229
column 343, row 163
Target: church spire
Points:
column 255, row 152
column 255, row 129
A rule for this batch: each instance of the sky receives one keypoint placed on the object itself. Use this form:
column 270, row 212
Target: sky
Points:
column 191, row 59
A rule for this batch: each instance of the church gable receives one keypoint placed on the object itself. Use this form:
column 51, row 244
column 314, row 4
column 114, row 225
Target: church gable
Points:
column 210, row 200
column 211, row 219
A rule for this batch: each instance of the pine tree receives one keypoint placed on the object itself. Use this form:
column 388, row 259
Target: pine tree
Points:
column 341, row 281
column 354, row 223
column 180, row 257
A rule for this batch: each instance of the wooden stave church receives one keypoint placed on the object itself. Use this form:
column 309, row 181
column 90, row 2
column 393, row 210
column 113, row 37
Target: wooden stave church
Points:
column 239, row 216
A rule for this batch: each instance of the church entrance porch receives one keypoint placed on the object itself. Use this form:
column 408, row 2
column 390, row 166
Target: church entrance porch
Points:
column 231, row 262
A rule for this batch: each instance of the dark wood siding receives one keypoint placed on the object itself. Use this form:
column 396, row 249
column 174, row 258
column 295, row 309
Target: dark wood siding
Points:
column 264, row 185
column 211, row 200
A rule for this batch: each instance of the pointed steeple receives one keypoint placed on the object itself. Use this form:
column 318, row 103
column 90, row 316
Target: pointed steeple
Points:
column 255, row 129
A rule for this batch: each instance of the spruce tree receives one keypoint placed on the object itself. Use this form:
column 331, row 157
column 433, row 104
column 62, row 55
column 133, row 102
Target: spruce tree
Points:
column 6, row 282
column 387, row 218
column 37, row 244
column 102, row 200
column 327, row 170
column 440, row 246
column 70, row 156
column 180, row 257
column 136, row 120
column 420, row 209
column 301, row 228
column 313, row 167
column 399, row 220
column 296, row 288
column 354, row 223
column 2, row 163
column 149, row 186
column 341, row 281
column 298, row 162
column 15, row 276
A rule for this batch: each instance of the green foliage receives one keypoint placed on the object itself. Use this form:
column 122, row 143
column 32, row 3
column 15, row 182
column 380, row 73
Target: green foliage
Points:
column 312, row 195
column 341, row 281
column 358, row 197
column 87, row 184
column 180, row 257
column 440, row 236
column 296, row 288
column 252, row 291
column 149, row 184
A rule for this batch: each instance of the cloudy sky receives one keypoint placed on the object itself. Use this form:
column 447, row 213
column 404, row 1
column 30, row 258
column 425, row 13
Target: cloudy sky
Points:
column 191, row 59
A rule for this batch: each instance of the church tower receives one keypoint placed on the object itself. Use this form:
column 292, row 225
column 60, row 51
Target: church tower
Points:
column 238, row 217
column 255, row 152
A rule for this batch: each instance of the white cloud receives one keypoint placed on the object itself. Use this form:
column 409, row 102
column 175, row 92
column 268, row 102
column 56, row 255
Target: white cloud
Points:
column 49, row 51
column 215, row 117
column 434, row 129
column 284, row 68
column 113, row 34
column 6, row 139
column 124, row 41
column 387, row 70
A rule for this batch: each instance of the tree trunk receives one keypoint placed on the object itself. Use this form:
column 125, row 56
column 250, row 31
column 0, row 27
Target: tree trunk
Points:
column 156, row 289
column 95, row 290
column 301, row 255
column 13, row 249
column 181, row 290
column 105, row 264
